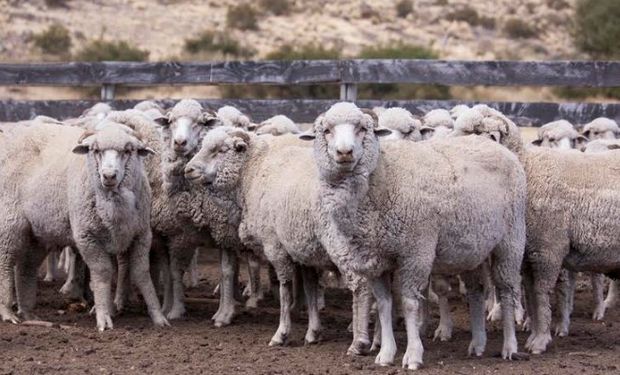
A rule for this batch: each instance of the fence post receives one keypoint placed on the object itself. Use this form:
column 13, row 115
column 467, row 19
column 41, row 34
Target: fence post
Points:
column 107, row 92
column 348, row 92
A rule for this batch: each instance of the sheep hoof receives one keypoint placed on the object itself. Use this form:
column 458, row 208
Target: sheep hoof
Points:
column 599, row 313
column 104, row 321
column 160, row 321
column 177, row 312
column 475, row 348
column 8, row 316
column 312, row 337
column 443, row 333
column 537, row 344
column 561, row 330
column 223, row 316
column 279, row 340
column 412, row 360
column 251, row 303
column 385, row 356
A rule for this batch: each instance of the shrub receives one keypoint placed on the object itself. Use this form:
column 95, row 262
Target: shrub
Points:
column 597, row 28
column 102, row 50
column 487, row 22
column 289, row 52
column 400, row 91
column 580, row 93
column 242, row 17
column 276, row 7
column 518, row 29
column 57, row 3
column 441, row 2
column 212, row 42
column 55, row 40
column 465, row 14
column 404, row 8
column 557, row 4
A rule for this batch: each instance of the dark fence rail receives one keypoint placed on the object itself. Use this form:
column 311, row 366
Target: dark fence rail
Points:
column 466, row 73
column 306, row 110
column 346, row 73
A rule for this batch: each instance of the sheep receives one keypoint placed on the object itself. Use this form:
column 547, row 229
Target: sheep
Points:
column 147, row 105
column 268, row 186
column 601, row 128
column 559, row 134
column 402, row 124
column 276, row 125
column 457, row 110
column 99, row 110
column 568, row 221
column 99, row 202
column 383, row 212
column 231, row 116
column 438, row 123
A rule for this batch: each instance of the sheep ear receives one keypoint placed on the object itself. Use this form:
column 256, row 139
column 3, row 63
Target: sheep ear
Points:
column 164, row 120
column 580, row 142
column 146, row 151
column 252, row 127
column 427, row 131
column 308, row 135
column 209, row 120
column 537, row 142
column 586, row 133
column 613, row 147
column 81, row 149
column 381, row 131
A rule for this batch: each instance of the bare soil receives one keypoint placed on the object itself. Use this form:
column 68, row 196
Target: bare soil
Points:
column 193, row 345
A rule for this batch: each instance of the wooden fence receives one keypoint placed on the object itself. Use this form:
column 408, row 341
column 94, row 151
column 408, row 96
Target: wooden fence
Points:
column 346, row 73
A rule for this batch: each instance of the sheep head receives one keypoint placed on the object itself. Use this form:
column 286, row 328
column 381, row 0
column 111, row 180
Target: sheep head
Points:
column 343, row 138
column 402, row 124
column 113, row 152
column 559, row 135
column 185, row 126
column 223, row 154
column 601, row 128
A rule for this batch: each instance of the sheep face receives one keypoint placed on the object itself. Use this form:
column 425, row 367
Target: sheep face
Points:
column 601, row 128
column 113, row 152
column 559, row 135
column 219, row 162
column 183, row 134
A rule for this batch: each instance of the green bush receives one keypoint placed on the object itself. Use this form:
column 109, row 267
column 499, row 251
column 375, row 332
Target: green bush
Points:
column 276, row 7
column 465, row 14
column 487, row 22
column 518, row 29
column 212, row 42
column 580, row 93
column 57, row 3
column 102, row 50
column 289, row 52
column 597, row 28
column 398, row 90
column 55, row 40
column 404, row 8
column 242, row 17
column 558, row 4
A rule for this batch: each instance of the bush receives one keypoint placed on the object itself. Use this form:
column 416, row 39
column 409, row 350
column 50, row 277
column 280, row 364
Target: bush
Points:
column 276, row 7
column 580, row 93
column 289, row 52
column 242, row 17
column 465, row 14
column 518, row 29
column 55, row 40
column 597, row 28
column 487, row 22
column 400, row 91
column 102, row 50
column 212, row 42
column 404, row 8
column 57, row 4
column 557, row 4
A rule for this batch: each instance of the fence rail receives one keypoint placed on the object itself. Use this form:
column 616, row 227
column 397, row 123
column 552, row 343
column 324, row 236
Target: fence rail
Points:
column 347, row 73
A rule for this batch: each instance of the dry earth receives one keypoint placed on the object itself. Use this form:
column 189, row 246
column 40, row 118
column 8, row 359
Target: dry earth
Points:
column 193, row 345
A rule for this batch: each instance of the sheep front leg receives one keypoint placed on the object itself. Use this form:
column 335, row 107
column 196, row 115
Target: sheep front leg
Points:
column 361, row 318
column 228, row 284
column 310, row 285
column 254, row 290
column 7, row 274
column 141, row 277
column 598, row 292
column 123, row 282
column 51, row 267
column 565, row 290
column 444, row 330
column 285, row 269
column 26, row 282
column 382, row 291
column 102, row 269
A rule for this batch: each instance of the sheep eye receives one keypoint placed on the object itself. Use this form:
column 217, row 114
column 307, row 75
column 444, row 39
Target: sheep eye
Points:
column 551, row 139
column 327, row 131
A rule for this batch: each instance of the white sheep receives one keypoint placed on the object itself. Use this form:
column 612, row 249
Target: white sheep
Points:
column 437, row 123
column 269, row 187
column 560, row 135
column 457, row 110
column 99, row 203
column 402, row 124
column 384, row 213
column 601, row 128
column 276, row 125
column 231, row 116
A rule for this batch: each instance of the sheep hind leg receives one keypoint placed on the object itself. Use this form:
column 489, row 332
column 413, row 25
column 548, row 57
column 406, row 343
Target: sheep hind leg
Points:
column 254, row 286
column 285, row 270
column 444, row 330
column 612, row 294
column 228, row 285
column 51, row 267
column 475, row 298
column 382, row 291
column 565, row 291
column 310, row 284
column 598, row 292
column 13, row 234
column 26, row 282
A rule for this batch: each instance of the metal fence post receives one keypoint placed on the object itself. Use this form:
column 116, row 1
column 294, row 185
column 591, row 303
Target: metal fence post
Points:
column 107, row 92
column 348, row 92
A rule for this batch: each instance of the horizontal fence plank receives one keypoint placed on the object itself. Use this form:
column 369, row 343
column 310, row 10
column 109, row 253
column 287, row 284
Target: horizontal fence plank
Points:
column 302, row 110
column 495, row 73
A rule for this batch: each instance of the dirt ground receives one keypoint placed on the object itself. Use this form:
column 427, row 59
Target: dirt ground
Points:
column 193, row 345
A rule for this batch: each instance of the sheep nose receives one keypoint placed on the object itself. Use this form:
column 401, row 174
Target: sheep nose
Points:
column 180, row 142
column 189, row 169
column 109, row 176
column 344, row 151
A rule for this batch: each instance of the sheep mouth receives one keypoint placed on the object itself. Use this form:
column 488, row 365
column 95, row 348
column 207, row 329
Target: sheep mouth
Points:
column 192, row 177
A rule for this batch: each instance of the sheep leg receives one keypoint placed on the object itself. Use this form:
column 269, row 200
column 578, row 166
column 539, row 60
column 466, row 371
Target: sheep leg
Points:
column 14, row 233
column 253, row 287
column 530, row 300
column 102, row 269
column 274, row 284
column 475, row 298
column 179, row 262
column 72, row 288
column 565, row 291
column 228, row 286
column 361, row 316
column 123, row 282
column 612, row 294
column 598, row 292
column 310, row 284
column 141, row 277
column 382, row 291
column 444, row 331
column 51, row 267
column 26, row 282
